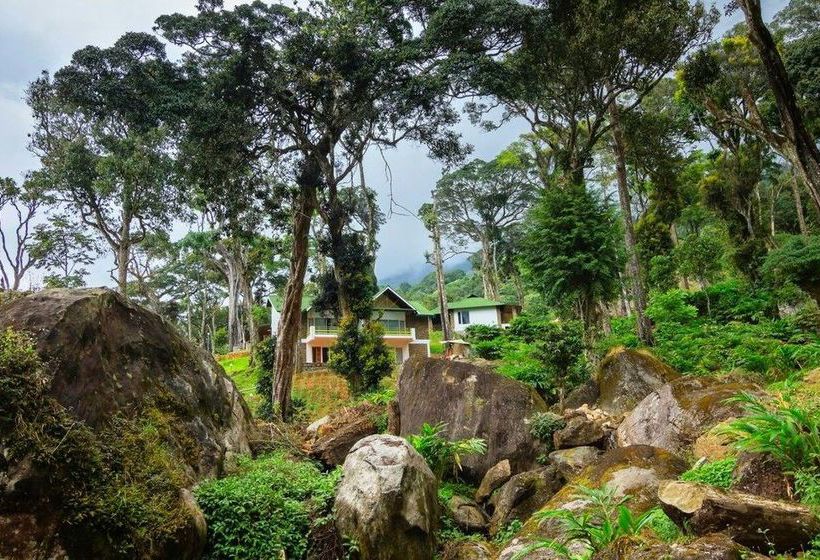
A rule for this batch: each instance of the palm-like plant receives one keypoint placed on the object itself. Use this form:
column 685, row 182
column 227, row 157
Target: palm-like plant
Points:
column 441, row 453
column 604, row 519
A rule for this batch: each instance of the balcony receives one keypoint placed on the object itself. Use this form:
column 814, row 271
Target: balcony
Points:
column 329, row 333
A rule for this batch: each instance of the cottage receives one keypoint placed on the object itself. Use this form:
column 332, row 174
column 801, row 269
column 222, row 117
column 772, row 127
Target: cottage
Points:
column 475, row 310
column 407, row 329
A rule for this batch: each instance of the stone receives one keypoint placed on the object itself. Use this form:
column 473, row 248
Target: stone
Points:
column 762, row 475
column 393, row 418
column 585, row 394
column 473, row 402
column 467, row 550
column 494, row 479
column 676, row 415
column 570, row 462
column 111, row 364
column 333, row 439
column 709, row 547
column 523, row 495
column 625, row 377
column 713, row 445
column 634, row 471
column 580, row 430
column 313, row 427
column 387, row 500
column 467, row 514
column 757, row 523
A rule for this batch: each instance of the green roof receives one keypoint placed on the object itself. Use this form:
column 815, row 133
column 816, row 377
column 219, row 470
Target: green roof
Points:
column 473, row 303
column 276, row 302
column 421, row 310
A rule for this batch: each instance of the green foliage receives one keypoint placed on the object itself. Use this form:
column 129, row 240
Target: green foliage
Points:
column 507, row 532
column 447, row 490
column 671, row 307
column 544, row 424
column 561, row 351
column 436, row 344
column 482, row 333
column 266, row 509
column 570, row 251
column 605, row 519
column 715, row 473
column 796, row 261
column 441, row 453
column 526, row 328
column 360, row 355
column 488, row 349
column 699, row 256
column 264, row 356
column 519, row 361
column 663, row 527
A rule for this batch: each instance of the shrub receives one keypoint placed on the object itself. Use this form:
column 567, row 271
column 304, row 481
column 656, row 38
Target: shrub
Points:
column 266, row 509
column 671, row 307
column 544, row 424
column 525, row 328
column 518, row 361
column 361, row 356
column 488, row 349
column 796, row 261
column 482, row 333
column 715, row 473
column 441, row 453
column 264, row 357
column 561, row 351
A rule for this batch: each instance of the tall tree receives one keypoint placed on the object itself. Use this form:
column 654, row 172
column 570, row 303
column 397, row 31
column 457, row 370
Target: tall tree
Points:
column 101, row 136
column 20, row 250
column 64, row 249
column 428, row 214
column 479, row 201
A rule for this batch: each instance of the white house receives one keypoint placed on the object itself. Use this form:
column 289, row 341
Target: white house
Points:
column 476, row 310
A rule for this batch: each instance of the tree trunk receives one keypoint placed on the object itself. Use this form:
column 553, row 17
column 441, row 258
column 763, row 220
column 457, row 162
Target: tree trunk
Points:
column 488, row 277
column 798, row 206
column 791, row 119
column 247, row 299
column 123, row 252
column 233, row 308
column 438, row 263
column 642, row 322
column 287, row 337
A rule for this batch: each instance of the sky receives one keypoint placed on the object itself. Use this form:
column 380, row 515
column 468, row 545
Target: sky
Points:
column 37, row 35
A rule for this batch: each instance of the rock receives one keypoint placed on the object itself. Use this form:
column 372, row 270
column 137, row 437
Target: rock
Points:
column 128, row 385
column 762, row 475
column 494, row 479
column 523, row 495
column 393, row 418
column 467, row 550
column 387, row 500
column 713, row 445
column 585, row 394
column 755, row 522
column 570, row 462
column 472, row 402
column 584, row 426
column 626, row 377
column 634, row 471
column 314, row 426
column 710, row 547
column 332, row 441
column 675, row 415
column 467, row 514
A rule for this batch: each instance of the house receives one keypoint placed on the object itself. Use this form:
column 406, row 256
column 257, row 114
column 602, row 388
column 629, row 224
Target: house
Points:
column 475, row 310
column 407, row 329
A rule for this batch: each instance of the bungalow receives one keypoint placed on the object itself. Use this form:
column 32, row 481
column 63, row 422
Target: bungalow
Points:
column 407, row 329
column 475, row 310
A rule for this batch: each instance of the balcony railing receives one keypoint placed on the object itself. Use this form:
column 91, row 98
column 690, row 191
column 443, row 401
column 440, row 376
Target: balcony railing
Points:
column 313, row 331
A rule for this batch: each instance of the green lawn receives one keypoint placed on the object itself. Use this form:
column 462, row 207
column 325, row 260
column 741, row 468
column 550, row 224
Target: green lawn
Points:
column 436, row 346
column 244, row 377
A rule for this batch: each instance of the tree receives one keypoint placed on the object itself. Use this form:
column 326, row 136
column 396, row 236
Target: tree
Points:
column 103, row 143
column 796, row 134
column 700, row 255
column 323, row 86
column 429, row 217
column 479, row 201
column 360, row 355
column 570, row 253
column 19, row 247
column 64, row 249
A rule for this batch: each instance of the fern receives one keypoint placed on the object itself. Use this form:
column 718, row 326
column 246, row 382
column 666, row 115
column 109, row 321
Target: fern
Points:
column 441, row 453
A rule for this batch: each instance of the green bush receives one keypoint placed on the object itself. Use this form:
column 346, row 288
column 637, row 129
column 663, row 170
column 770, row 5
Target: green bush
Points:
column 671, row 307
column 488, row 349
column 525, row 328
column 519, row 361
column 482, row 333
column 266, row 509
column 441, row 453
column 715, row 473
column 544, row 424
column 361, row 356
column 265, row 355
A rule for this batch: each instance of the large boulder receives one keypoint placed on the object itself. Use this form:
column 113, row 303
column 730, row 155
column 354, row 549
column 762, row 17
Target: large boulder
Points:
column 634, row 471
column 467, row 514
column 752, row 521
column 523, row 495
column 574, row 460
column 626, row 376
column 494, row 479
column 133, row 408
column 387, row 500
column 334, row 435
column 472, row 402
column 585, row 426
column 710, row 547
column 676, row 415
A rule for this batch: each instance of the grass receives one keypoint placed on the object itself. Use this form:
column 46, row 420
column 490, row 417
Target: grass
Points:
column 236, row 366
column 436, row 345
column 322, row 390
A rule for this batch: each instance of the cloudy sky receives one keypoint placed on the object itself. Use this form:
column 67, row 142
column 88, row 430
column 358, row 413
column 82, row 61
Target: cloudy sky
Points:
column 37, row 35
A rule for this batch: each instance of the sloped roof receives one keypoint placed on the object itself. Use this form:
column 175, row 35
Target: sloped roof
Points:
column 422, row 310
column 276, row 302
column 473, row 302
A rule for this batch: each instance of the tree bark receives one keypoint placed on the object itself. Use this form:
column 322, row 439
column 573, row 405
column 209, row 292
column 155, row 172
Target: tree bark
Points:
column 287, row 337
column 123, row 253
column 642, row 322
column 488, row 276
column 798, row 206
column 438, row 264
column 247, row 300
column 791, row 118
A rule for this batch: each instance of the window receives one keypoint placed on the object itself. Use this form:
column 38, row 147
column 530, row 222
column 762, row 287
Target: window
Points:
column 463, row 317
column 393, row 326
column 321, row 354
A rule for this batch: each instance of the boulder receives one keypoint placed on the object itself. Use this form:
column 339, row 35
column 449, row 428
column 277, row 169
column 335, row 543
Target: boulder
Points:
column 714, row 444
column 710, row 547
column 467, row 550
column 634, row 471
column 523, row 495
column 570, row 462
column 626, row 377
column 676, row 415
column 472, row 402
column 387, row 500
column 584, row 426
column 467, row 514
column 136, row 407
column 585, row 394
column 762, row 475
column 752, row 521
column 494, row 479
column 334, row 437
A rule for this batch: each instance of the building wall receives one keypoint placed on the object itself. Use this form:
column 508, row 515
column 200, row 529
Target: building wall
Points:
column 419, row 349
column 420, row 323
column 385, row 302
column 481, row 316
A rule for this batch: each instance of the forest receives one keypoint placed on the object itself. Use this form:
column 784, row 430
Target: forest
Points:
column 648, row 384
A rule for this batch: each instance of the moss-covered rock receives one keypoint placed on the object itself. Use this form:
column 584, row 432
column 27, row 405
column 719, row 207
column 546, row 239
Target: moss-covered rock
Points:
column 626, row 376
